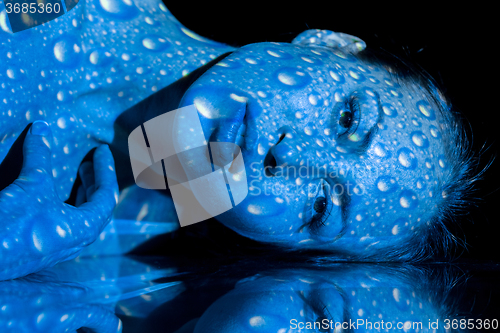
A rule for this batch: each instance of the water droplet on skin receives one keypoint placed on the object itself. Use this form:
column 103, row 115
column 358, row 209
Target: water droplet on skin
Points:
column 379, row 150
column 237, row 98
column 155, row 43
column 11, row 74
column 395, row 230
column 395, row 294
column 313, row 99
column 264, row 205
column 442, row 163
column 274, row 54
column 205, row 108
column 298, row 115
column 407, row 159
column 420, row 184
column 434, row 132
column 3, row 22
column 408, row 199
column 308, row 131
column 389, row 110
column 120, row 9
column 261, row 149
column 425, row 108
column 337, row 77
column 386, row 184
column 420, row 139
column 66, row 51
column 286, row 79
column 61, row 123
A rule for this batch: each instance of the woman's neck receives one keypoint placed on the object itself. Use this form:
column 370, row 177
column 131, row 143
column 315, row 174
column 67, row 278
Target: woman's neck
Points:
column 165, row 100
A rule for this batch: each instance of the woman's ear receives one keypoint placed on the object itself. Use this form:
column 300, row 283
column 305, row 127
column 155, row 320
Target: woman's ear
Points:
column 327, row 38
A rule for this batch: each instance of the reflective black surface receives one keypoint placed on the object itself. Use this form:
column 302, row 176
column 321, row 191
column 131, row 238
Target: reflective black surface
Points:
column 153, row 294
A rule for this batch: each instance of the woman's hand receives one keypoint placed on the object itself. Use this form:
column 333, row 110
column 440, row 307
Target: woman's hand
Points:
column 44, row 303
column 37, row 229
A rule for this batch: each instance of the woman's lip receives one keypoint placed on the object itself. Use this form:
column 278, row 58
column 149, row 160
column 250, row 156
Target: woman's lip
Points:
column 228, row 131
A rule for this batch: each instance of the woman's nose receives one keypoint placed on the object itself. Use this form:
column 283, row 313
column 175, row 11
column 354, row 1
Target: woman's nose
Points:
column 292, row 149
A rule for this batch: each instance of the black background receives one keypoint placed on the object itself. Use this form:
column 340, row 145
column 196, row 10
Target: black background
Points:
column 455, row 44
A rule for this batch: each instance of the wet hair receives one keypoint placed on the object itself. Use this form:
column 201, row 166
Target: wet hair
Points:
column 455, row 187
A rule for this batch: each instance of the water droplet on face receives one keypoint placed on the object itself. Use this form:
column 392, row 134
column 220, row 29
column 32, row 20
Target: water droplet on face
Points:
column 338, row 95
column 408, row 199
column 442, row 162
column 420, row 184
column 419, row 139
column 356, row 75
column 314, row 98
column 337, row 77
column 61, row 123
column 261, row 150
column 395, row 230
column 425, row 108
column 428, row 164
column 386, row 184
column 205, row 108
column 293, row 77
column 389, row 110
column 407, row 158
column 274, row 54
column 380, row 150
column 434, row 132
column 11, row 74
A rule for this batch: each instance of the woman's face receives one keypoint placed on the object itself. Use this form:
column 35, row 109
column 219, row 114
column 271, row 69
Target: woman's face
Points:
column 337, row 155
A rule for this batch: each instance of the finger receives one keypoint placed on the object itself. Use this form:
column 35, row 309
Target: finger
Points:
column 81, row 196
column 102, row 202
column 86, row 173
column 37, row 152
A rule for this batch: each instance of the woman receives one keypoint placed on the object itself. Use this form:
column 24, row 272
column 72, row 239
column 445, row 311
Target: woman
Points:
column 382, row 157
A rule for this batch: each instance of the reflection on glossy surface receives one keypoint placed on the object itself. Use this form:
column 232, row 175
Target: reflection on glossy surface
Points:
column 153, row 294
column 83, row 293
column 359, row 297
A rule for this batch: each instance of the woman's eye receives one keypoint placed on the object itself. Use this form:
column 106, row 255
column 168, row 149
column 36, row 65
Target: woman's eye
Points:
column 345, row 119
column 348, row 118
column 321, row 207
column 320, row 204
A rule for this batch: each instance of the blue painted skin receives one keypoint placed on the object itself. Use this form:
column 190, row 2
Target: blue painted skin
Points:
column 301, row 105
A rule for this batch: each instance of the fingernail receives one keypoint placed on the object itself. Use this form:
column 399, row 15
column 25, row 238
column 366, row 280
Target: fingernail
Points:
column 40, row 127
